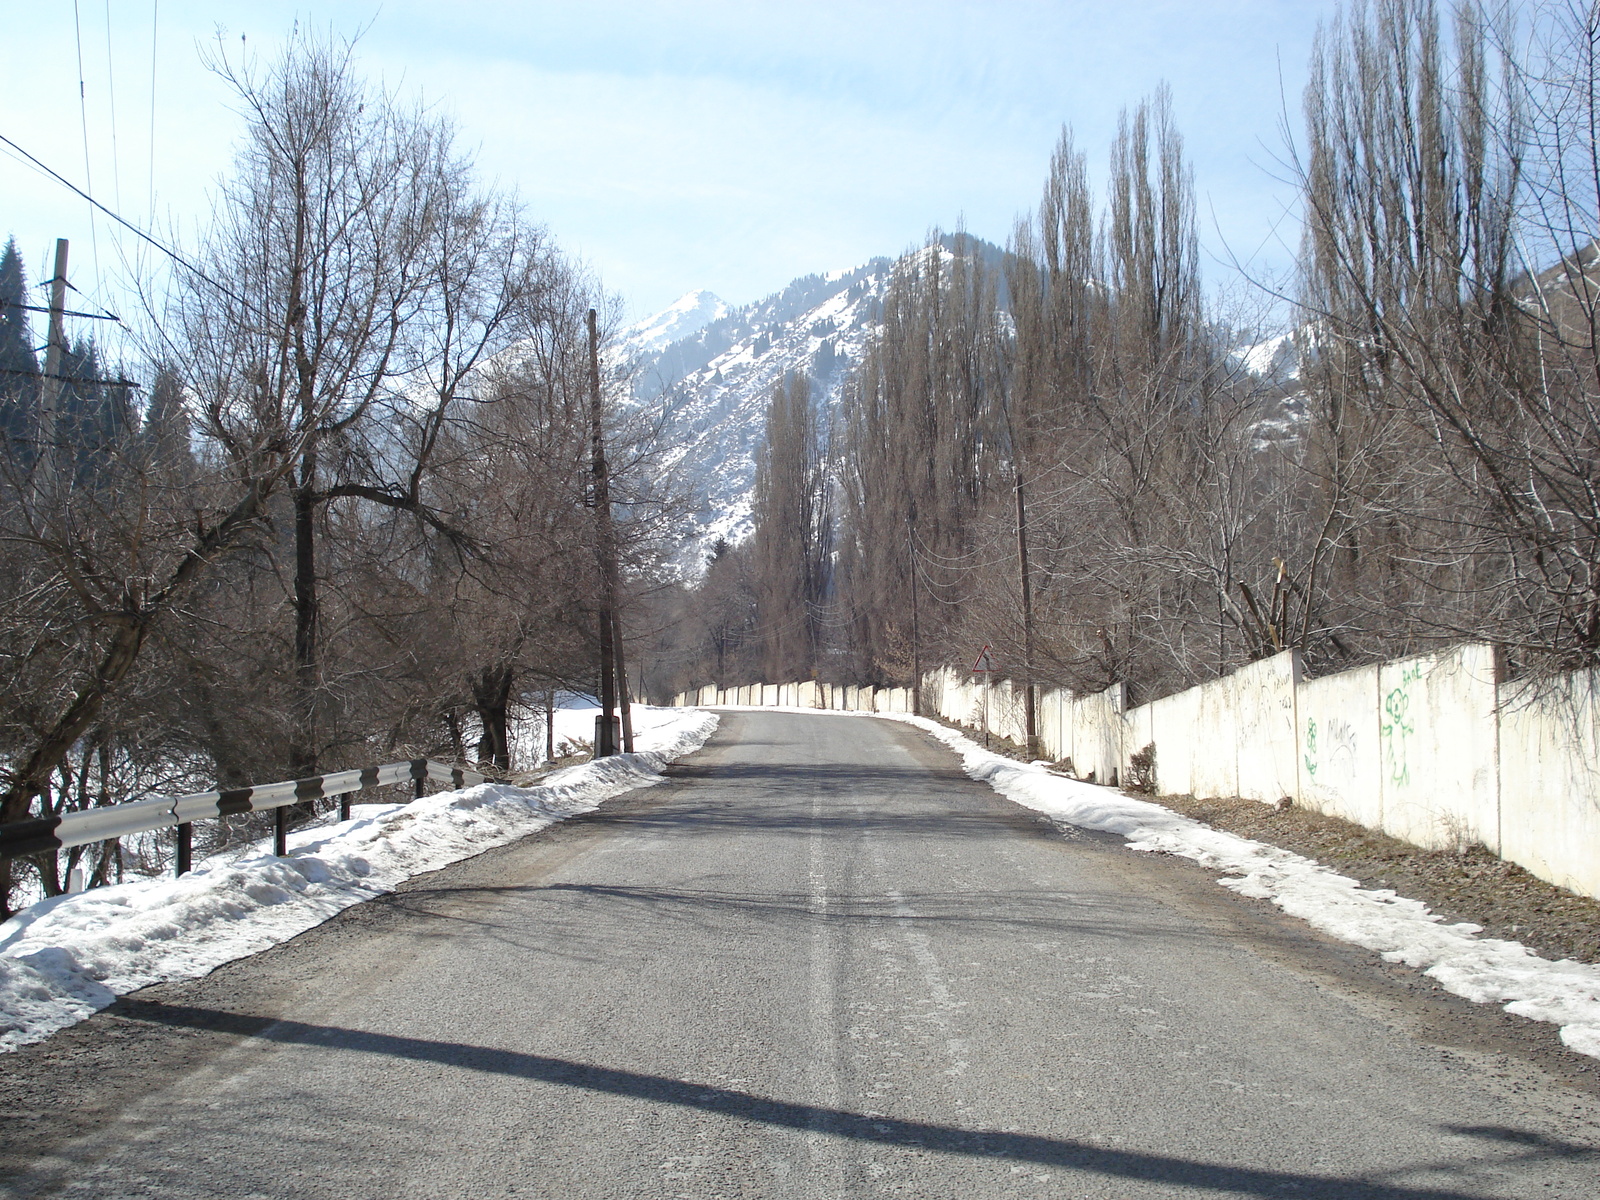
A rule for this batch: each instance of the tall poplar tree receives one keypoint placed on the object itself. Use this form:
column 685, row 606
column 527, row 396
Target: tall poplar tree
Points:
column 791, row 534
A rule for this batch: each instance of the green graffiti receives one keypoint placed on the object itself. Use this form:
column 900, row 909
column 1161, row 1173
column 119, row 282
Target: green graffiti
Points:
column 1398, row 726
column 1311, row 745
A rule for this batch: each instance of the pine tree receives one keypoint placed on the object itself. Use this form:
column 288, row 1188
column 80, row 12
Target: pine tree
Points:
column 165, row 432
column 92, row 415
column 19, row 365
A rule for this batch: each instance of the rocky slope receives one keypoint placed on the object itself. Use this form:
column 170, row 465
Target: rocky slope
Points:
column 713, row 370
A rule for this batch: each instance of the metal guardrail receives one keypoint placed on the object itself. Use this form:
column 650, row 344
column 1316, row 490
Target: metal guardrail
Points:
column 41, row 834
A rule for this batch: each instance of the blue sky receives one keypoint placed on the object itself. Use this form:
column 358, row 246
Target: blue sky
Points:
column 731, row 146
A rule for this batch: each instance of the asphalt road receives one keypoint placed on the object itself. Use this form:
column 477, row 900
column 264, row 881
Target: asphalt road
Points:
column 818, row 963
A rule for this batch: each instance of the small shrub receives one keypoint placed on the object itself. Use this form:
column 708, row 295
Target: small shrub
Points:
column 1142, row 770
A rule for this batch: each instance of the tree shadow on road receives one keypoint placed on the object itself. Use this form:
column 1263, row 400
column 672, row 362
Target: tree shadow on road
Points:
column 576, row 919
column 1063, row 1153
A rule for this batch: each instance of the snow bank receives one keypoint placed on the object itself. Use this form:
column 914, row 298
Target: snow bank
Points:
column 1485, row 970
column 68, row 957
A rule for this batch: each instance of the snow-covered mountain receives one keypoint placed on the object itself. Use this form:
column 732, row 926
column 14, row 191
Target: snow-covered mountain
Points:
column 685, row 317
column 715, row 379
column 1274, row 359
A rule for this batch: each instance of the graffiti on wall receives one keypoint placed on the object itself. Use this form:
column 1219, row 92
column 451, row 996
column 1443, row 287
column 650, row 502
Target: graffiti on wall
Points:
column 1332, row 746
column 1399, row 726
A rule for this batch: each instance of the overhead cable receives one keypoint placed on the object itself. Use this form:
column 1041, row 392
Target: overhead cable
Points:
column 119, row 219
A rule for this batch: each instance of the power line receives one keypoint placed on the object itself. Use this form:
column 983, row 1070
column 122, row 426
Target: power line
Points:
column 123, row 221
column 83, row 116
column 66, row 312
column 71, row 378
column 111, row 95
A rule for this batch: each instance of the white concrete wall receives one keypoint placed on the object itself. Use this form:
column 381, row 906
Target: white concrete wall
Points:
column 1550, row 779
column 1099, row 728
column 1437, row 730
column 1341, row 757
column 1170, row 725
column 1195, row 735
column 1430, row 749
column 1047, row 715
column 1138, row 731
column 1267, row 737
column 1214, row 758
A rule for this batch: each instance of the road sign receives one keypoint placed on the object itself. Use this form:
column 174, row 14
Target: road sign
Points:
column 984, row 663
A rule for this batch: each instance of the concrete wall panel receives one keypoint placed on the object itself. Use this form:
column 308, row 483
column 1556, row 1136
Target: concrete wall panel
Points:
column 1214, row 770
column 1264, row 706
column 1438, row 735
column 1550, row 779
column 1098, row 729
column 1170, row 724
column 1051, row 703
column 1341, row 757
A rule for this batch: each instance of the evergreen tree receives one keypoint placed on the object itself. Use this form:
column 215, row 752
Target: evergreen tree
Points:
column 19, row 365
column 165, row 432
column 91, row 415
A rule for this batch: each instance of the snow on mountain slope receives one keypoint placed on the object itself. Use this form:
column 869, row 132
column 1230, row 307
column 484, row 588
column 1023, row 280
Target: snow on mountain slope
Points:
column 715, row 381
column 685, row 317
column 1276, row 358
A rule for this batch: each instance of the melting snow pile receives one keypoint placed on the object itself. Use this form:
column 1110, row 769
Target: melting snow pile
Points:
column 65, row 958
column 1485, row 970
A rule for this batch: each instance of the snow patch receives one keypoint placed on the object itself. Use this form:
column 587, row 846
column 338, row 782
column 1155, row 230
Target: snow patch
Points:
column 1276, row 358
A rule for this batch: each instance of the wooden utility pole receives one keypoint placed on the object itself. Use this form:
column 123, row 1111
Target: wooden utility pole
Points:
column 623, row 698
column 1029, row 711
column 54, row 362
column 550, row 724
column 605, row 728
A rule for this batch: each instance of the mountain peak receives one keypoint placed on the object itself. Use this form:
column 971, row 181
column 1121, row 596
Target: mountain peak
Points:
column 684, row 317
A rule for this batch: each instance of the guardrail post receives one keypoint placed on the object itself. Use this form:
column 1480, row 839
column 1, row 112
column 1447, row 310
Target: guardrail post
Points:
column 280, row 830
column 344, row 806
column 185, row 848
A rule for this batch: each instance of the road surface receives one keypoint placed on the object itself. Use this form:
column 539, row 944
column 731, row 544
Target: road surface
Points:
column 819, row 962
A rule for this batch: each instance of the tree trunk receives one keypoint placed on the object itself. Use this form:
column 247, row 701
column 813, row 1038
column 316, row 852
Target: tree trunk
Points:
column 303, row 744
column 491, row 696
